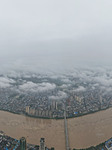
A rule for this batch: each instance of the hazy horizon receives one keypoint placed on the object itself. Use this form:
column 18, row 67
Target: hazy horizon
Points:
column 55, row 35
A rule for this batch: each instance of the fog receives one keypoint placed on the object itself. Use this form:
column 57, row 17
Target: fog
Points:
column 53, row 35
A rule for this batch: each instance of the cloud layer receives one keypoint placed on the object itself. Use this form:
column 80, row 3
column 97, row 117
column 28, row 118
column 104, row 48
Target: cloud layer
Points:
column 6, row 82
column 54, row 35
column 33, row 87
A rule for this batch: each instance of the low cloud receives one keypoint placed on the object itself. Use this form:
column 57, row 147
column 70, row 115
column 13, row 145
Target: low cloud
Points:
column 58, row 96
column 66, row 80
column 104, row 81
column 6, row 82
column 40, row 87
column 64, row 86
column 80, row 89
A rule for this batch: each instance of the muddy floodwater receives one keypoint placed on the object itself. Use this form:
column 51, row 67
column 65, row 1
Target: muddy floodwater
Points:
column 83, row 131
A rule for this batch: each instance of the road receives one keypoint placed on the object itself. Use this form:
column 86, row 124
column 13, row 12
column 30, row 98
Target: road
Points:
column 66, row 131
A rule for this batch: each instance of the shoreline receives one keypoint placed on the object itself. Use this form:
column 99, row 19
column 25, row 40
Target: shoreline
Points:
column 56, row 118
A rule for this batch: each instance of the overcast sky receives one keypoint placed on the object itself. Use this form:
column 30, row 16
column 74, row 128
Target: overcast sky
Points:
column 52, row 33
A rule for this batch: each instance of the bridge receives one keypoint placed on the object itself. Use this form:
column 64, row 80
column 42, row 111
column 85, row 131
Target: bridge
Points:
column 66, row 131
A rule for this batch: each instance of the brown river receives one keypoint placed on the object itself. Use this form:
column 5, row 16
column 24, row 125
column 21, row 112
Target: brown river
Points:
column 83, row 131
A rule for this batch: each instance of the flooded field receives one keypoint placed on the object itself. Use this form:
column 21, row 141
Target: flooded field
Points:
column 83, row 131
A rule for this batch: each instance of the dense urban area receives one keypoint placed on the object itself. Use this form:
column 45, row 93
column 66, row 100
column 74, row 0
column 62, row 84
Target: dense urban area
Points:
column 55, row 96
column 45, row 96
column 8, row 143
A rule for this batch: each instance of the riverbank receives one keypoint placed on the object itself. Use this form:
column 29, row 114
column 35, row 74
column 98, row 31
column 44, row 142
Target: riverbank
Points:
column 98, row 147
column 56, row 118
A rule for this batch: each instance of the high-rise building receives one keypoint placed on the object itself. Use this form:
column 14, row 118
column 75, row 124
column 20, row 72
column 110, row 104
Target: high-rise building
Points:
column 27, row 109
column 54, row 105
column 42, row 144
column 23, row 143
column 32, row 111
